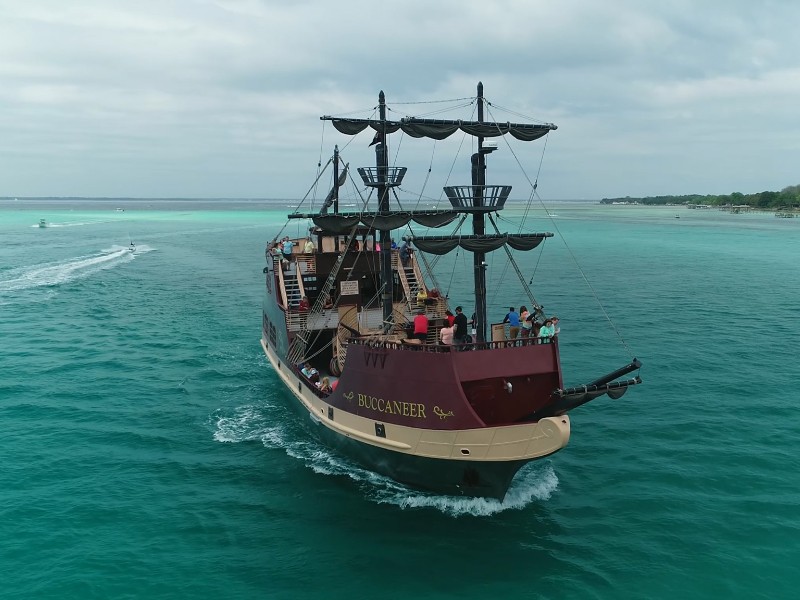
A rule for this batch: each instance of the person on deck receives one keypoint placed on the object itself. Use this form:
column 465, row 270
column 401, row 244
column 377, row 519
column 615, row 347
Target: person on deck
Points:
column 446, row 335
column 547, row 331
column 405, row 253
column 325, row 386
column 451, row 318
column 525, row 322
column 309, row 247
column 277, row 253
column 512, row 318
column 286, row 248
column 304, row 305
column 556, row 328
column 460, row 322
column 422, row 297
column 421, row 326
column 310, row 372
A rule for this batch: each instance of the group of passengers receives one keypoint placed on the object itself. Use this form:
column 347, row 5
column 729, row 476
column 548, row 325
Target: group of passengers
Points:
column 523, row 324
column 323, row 385
column 455, row 333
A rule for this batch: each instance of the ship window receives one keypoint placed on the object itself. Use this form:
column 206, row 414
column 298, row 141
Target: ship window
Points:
column 273, row 335
column 465, row 451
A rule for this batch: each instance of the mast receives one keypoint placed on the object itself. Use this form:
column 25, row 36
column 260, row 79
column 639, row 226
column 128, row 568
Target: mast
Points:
column 382, row 162
column 479, row 228
column 336, row 179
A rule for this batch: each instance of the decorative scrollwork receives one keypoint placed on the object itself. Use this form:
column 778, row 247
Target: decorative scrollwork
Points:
column 441, row 414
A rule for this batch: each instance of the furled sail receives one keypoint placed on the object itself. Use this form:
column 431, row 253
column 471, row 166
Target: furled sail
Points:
column 443, row 244
column 344, row 222
column 439, row 129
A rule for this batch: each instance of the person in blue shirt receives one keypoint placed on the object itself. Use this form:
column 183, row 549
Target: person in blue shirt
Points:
column 512, row 318
column 286, row 248
column 310, row 372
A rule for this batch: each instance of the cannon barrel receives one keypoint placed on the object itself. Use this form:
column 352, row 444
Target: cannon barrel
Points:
column 635, row 364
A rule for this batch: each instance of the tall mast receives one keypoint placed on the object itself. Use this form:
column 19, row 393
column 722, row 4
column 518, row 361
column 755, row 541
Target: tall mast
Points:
column 382, row 162
column 479, row 228
column 336, row 179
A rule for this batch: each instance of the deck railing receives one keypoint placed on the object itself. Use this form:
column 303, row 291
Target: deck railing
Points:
column 519, row 342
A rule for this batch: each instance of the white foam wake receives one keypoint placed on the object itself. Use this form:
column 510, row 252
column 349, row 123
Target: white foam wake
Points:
column 59, row 273
column 535, row 482
column 68, row 224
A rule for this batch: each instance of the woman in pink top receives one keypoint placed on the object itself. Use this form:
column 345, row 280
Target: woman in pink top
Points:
column 446, row 335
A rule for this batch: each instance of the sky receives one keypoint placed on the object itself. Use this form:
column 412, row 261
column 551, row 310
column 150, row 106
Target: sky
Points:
column 222, row 98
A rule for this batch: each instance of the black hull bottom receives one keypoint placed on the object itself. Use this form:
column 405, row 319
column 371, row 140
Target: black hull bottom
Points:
column 479, row 479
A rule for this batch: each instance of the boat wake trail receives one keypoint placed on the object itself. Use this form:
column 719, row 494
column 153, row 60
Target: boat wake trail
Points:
column 69, row 224
column 247, row 423
column 58, row 273
column 535, row 482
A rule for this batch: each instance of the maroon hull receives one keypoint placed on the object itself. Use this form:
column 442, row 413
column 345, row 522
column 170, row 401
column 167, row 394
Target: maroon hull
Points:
column 435, row 389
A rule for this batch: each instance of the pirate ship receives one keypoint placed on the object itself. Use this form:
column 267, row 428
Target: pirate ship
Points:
column 457, row 419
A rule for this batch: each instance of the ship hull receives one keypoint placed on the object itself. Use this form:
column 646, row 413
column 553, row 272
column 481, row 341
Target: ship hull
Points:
column 448, row 477
column 474, row 462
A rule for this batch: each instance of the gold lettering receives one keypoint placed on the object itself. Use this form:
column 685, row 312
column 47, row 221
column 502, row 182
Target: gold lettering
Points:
column 392, row 407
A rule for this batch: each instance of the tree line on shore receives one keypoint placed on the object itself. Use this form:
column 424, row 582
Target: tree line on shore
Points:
column 788, row 197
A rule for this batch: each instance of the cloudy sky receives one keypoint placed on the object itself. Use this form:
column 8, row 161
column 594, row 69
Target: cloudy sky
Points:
column 222, row 98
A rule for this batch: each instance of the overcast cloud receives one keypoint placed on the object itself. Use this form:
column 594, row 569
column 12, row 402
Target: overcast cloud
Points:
column 222, row 98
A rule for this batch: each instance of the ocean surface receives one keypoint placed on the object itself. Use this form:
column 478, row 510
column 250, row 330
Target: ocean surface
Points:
column 148, row 449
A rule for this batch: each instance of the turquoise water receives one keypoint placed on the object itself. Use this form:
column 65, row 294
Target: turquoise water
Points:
column 149, row 451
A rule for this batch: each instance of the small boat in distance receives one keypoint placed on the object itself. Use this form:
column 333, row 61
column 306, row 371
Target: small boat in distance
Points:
column 42, row 223
column 132, row 247
column 362, row 336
